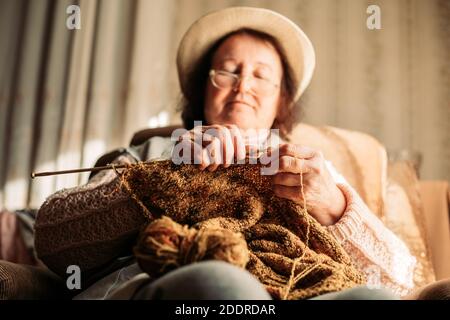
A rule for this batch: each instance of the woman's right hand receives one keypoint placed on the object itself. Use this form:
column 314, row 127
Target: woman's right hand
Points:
column 210, row 146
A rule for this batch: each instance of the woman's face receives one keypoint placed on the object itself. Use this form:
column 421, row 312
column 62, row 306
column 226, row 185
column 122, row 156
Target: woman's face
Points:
column 247, row 56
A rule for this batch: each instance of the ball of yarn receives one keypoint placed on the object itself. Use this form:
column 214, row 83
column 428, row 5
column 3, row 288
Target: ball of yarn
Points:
column 165, row 245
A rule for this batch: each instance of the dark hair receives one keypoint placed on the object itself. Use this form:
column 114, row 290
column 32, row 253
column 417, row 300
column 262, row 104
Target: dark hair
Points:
column 193, row 101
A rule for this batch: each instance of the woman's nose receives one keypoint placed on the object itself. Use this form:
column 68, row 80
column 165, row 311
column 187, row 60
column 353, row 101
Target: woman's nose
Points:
column 243, row 84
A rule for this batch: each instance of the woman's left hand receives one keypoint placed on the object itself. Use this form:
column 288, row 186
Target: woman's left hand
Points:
column 324, row 200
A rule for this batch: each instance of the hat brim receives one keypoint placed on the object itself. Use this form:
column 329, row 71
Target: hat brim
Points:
column 207, row 30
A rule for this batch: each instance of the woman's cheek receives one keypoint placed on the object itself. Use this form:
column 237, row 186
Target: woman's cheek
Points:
column 213, row 100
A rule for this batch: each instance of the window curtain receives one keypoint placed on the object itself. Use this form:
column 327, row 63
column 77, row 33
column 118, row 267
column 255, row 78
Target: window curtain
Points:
column 68, row 96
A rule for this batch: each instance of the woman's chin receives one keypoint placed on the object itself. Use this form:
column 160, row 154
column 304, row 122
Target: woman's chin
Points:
column 240, row 123
column 244, row 119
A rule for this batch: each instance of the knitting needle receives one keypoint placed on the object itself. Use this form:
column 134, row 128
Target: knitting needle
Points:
column 108, row 167
column 50, row 173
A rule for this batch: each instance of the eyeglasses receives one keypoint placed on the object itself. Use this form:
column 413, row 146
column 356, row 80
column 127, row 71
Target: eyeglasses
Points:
column 225, row 80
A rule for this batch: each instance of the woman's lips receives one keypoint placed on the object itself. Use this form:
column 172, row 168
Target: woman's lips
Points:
column 240, row 103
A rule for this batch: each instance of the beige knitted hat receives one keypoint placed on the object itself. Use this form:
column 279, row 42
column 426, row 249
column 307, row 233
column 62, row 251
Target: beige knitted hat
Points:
column 204, row 33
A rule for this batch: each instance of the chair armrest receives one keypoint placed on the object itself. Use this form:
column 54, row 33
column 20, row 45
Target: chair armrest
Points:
column 19, row 281
column 145, row 134
column 435, row 200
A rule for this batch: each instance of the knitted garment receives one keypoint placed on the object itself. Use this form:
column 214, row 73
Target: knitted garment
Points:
column 288, row 250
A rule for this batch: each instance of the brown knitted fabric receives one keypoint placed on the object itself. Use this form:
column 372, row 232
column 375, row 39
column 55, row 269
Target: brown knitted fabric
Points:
column 289, row 251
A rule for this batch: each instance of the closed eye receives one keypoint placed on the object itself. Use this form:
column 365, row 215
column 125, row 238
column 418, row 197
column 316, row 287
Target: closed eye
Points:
column 262, row 77
column 228, row 72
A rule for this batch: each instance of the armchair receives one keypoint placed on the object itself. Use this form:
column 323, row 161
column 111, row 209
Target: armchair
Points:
column 362, row 160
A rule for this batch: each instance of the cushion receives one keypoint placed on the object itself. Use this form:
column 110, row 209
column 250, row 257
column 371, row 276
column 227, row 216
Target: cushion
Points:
column 404, row 216
column 359, row 157
column 12, row 245
column 435, row 197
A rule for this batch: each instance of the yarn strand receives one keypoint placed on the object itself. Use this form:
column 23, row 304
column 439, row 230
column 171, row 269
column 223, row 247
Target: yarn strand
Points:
column 294, row 279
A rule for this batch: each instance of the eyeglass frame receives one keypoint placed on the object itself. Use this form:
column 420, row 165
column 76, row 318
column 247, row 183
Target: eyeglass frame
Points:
column 214, row 72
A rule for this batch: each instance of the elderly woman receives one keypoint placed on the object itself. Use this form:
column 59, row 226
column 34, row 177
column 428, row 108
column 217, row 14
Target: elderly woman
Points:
column 239, row 69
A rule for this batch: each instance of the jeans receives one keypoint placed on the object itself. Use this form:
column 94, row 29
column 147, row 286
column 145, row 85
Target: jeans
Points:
column 217, row 280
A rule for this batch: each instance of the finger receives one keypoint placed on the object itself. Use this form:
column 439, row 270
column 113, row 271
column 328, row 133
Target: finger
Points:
column 271, row 154
column 252, row 151
column 197, row 153
column 196, row 135
column 238, row 142
column 215, row 154
column 270, row 161
column 297, row 151
column 228, row 147
column 253, row 140
column 183, row 152
column 268, row 152
column 267, row 156
column 294, row 165
column 208, row 136
column 205, row 160
column 288, row 179
column 291, row 193
column 185, row 136
column 222, row 139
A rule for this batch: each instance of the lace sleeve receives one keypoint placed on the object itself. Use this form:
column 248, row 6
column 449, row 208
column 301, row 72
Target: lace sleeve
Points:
column 375, row 250
column 88, row 225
